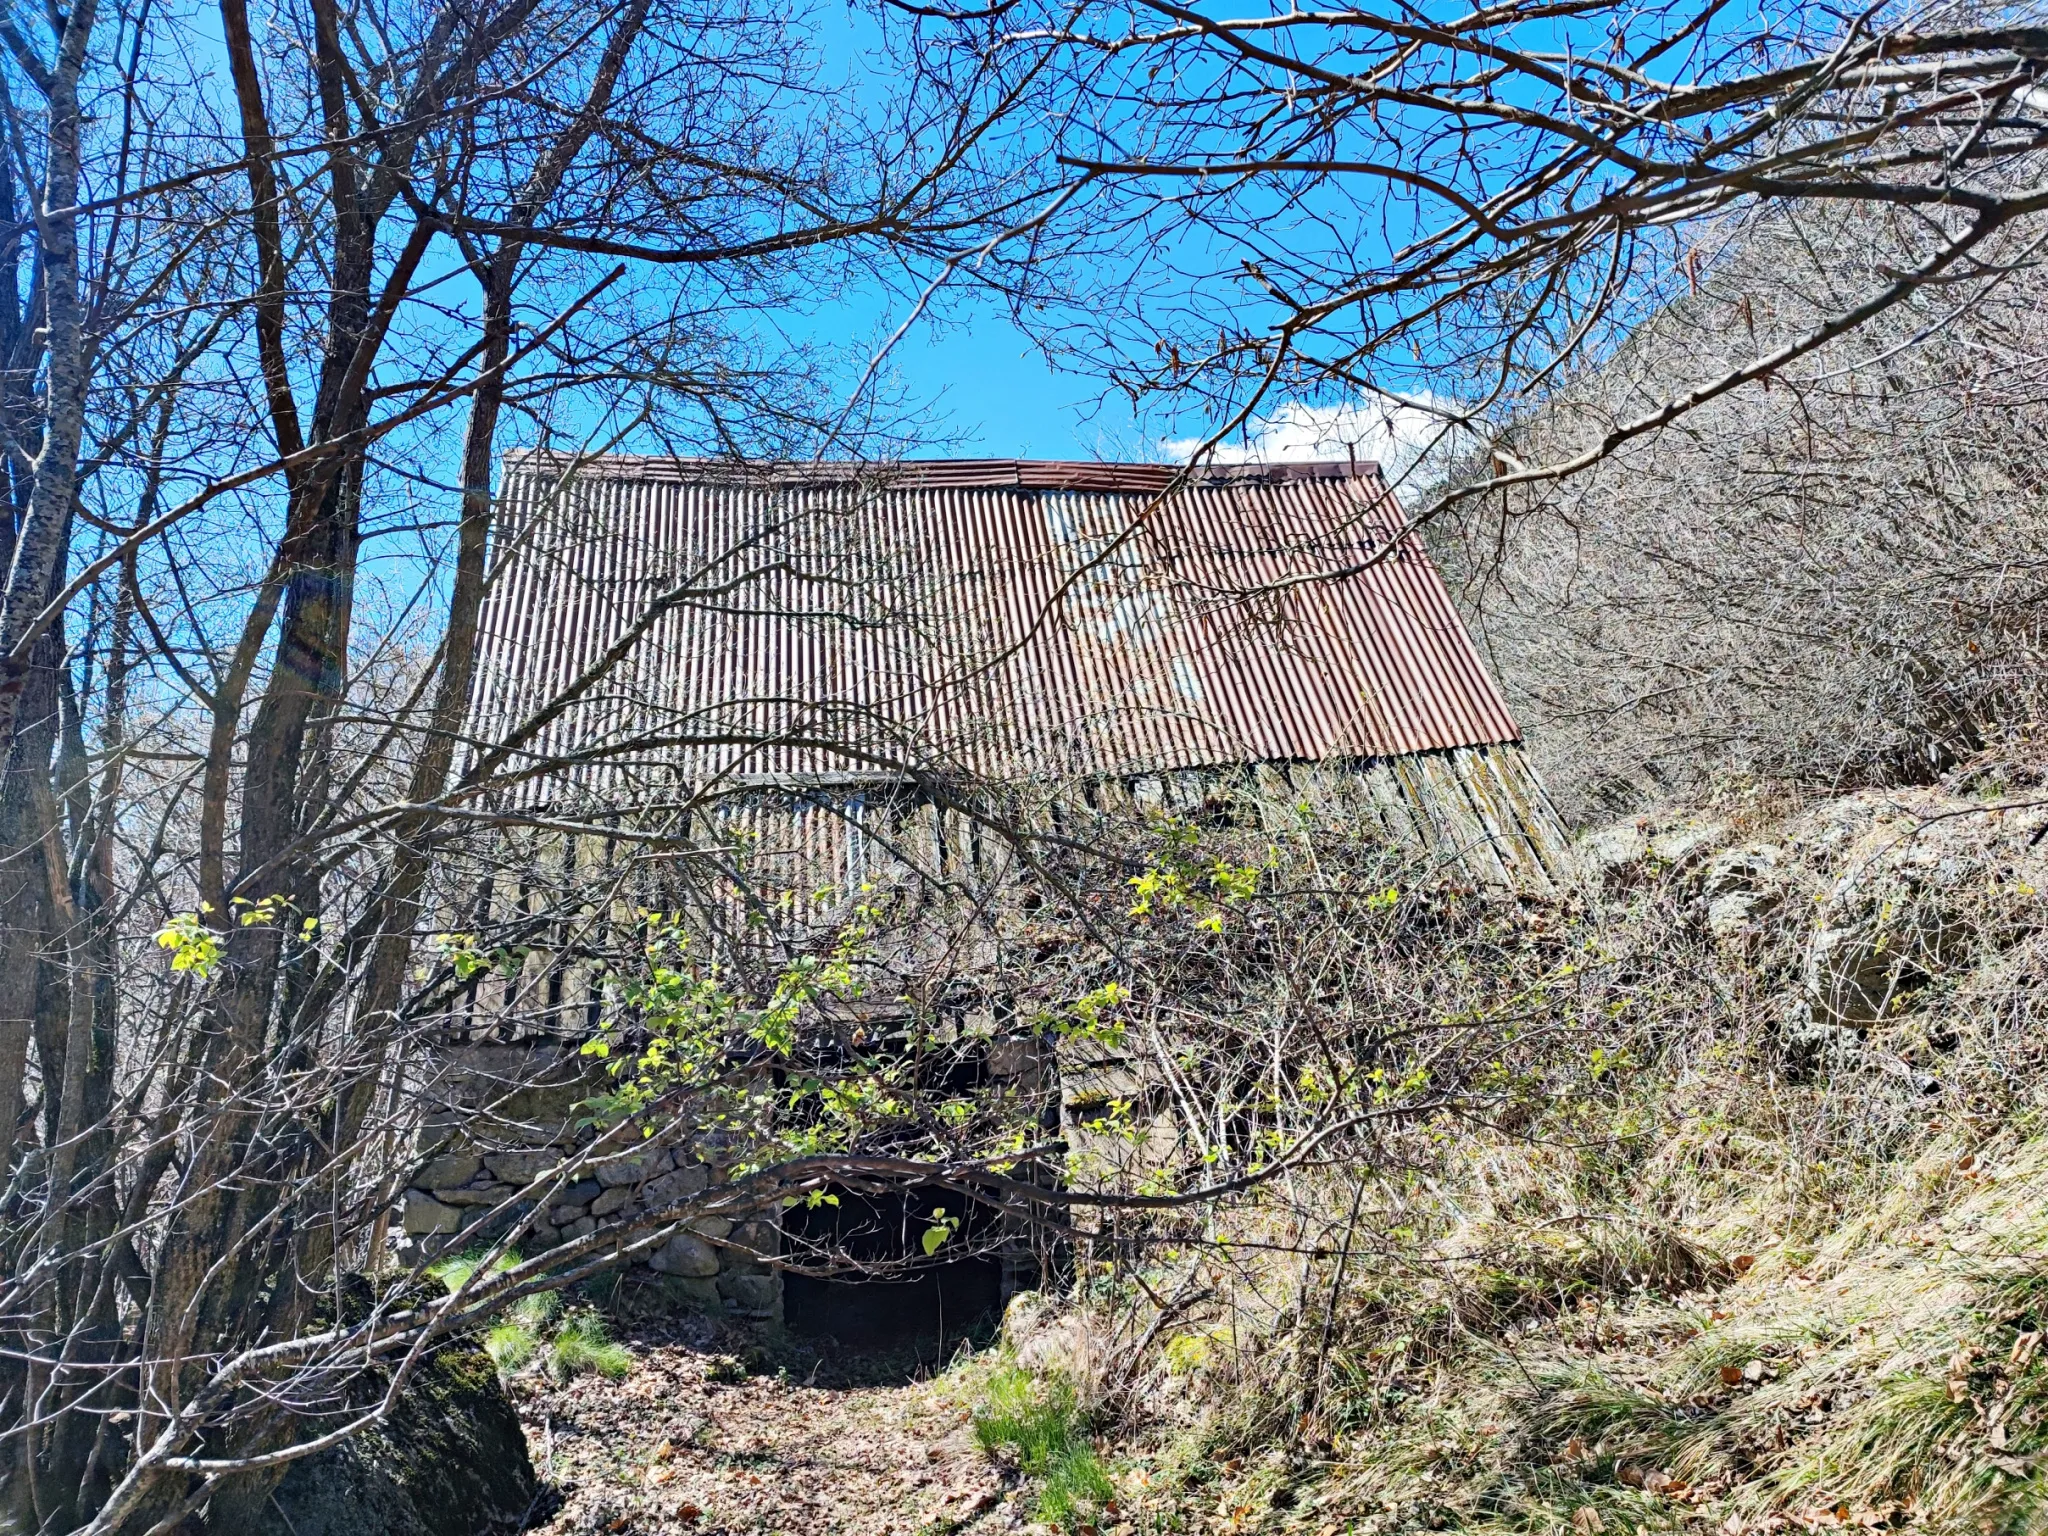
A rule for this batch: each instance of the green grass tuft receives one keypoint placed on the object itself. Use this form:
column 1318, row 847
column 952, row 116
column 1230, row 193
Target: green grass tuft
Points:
column 1039, row 1421
column 584, row 1343
column 516, row 1338
column 1073, row 1488
column 511, row 1345
column 455, row 1269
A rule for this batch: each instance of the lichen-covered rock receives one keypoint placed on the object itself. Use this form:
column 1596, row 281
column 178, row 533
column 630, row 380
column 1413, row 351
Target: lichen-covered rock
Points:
column 1924, row 885
column 686, row 1255
column 1612, row 851
column 425, row 1216
column 450, row 1460
column 1740, row 871
column 1679, row 847
column 1738, row 886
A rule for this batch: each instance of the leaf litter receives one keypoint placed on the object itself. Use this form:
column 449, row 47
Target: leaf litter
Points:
column 715, row 1433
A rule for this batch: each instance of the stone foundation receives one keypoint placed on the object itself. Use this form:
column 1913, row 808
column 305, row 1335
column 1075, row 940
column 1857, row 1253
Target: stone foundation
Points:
column 502, row 1116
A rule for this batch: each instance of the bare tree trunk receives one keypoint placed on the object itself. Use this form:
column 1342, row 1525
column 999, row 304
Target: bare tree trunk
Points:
column 46, row 529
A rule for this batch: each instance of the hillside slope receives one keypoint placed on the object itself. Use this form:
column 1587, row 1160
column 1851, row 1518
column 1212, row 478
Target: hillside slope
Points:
column 1787, row 1268
column 1775, row 1259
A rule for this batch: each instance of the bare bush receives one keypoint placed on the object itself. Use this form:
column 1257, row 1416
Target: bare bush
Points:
column 1836, row 576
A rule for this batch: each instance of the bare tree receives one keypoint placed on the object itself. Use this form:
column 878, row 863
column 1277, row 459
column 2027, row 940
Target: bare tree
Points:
column 1832, row 581
column 258, row 306
column 1450, row 208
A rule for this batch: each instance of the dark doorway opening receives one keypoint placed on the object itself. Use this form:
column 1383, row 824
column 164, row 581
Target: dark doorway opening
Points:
column 893, row 1298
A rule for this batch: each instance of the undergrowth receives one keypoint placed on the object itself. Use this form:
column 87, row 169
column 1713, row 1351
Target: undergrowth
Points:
column 537, row 1326
column 1880, row 1377
column 583, row 1342
column 1744, row 1271
column 1038, row 1420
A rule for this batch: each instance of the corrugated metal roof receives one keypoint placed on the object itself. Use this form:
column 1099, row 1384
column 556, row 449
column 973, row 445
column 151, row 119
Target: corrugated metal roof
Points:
column 1002, row 617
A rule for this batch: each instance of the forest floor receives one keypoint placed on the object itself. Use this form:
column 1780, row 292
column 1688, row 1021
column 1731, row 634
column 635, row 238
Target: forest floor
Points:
column 714, row 1433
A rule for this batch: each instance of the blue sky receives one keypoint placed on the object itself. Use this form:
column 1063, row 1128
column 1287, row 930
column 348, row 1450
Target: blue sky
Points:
column 992, row 395
column 996, row 397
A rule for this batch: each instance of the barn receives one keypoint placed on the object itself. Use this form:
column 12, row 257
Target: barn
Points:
column 813, row 680
column 1102, row 629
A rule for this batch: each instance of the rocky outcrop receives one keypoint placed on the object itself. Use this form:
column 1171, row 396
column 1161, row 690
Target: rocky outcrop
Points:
column 1867, row 899
column 450, row 1460
column 1645, row 846
column 1739, row 888
column 1915, row 886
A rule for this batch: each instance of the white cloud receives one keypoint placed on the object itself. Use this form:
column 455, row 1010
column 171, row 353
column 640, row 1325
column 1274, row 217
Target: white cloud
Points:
column 1408, row 440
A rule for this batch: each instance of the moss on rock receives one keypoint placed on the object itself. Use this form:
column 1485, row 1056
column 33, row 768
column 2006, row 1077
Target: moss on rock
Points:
column 450, row 1460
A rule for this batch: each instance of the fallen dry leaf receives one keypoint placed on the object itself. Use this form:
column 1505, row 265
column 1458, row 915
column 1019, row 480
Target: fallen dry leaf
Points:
column 788, row 1454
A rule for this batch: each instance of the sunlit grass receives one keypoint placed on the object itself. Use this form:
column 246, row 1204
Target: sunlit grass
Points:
column 1039, row 1421
column 584, row 1342
column 454, row 1270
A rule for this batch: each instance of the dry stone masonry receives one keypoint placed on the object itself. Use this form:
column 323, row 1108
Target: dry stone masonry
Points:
column 505, row 1117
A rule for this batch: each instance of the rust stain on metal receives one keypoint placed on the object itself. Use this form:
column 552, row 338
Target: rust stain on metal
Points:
column 1000, row 617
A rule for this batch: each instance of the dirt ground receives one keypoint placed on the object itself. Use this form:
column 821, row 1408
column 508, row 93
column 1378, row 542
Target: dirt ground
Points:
column 716, row 1432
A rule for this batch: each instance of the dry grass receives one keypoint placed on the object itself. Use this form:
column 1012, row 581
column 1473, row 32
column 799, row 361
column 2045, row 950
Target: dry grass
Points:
column 1706, row 1287
column 1892, row 1376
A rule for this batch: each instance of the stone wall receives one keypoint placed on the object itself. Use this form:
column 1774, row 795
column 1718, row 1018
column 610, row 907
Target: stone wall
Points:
column 500, row 1117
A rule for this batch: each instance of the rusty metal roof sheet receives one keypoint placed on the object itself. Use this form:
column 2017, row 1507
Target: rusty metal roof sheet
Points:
column 1002, row 617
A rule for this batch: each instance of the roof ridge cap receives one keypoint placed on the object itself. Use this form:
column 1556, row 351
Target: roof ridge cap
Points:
column 1023, row 474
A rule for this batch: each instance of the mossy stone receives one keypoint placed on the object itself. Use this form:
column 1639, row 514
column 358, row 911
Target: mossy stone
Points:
column 450, row 1460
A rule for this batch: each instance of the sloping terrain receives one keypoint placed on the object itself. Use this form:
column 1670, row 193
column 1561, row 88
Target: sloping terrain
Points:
column 1784, row 1266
